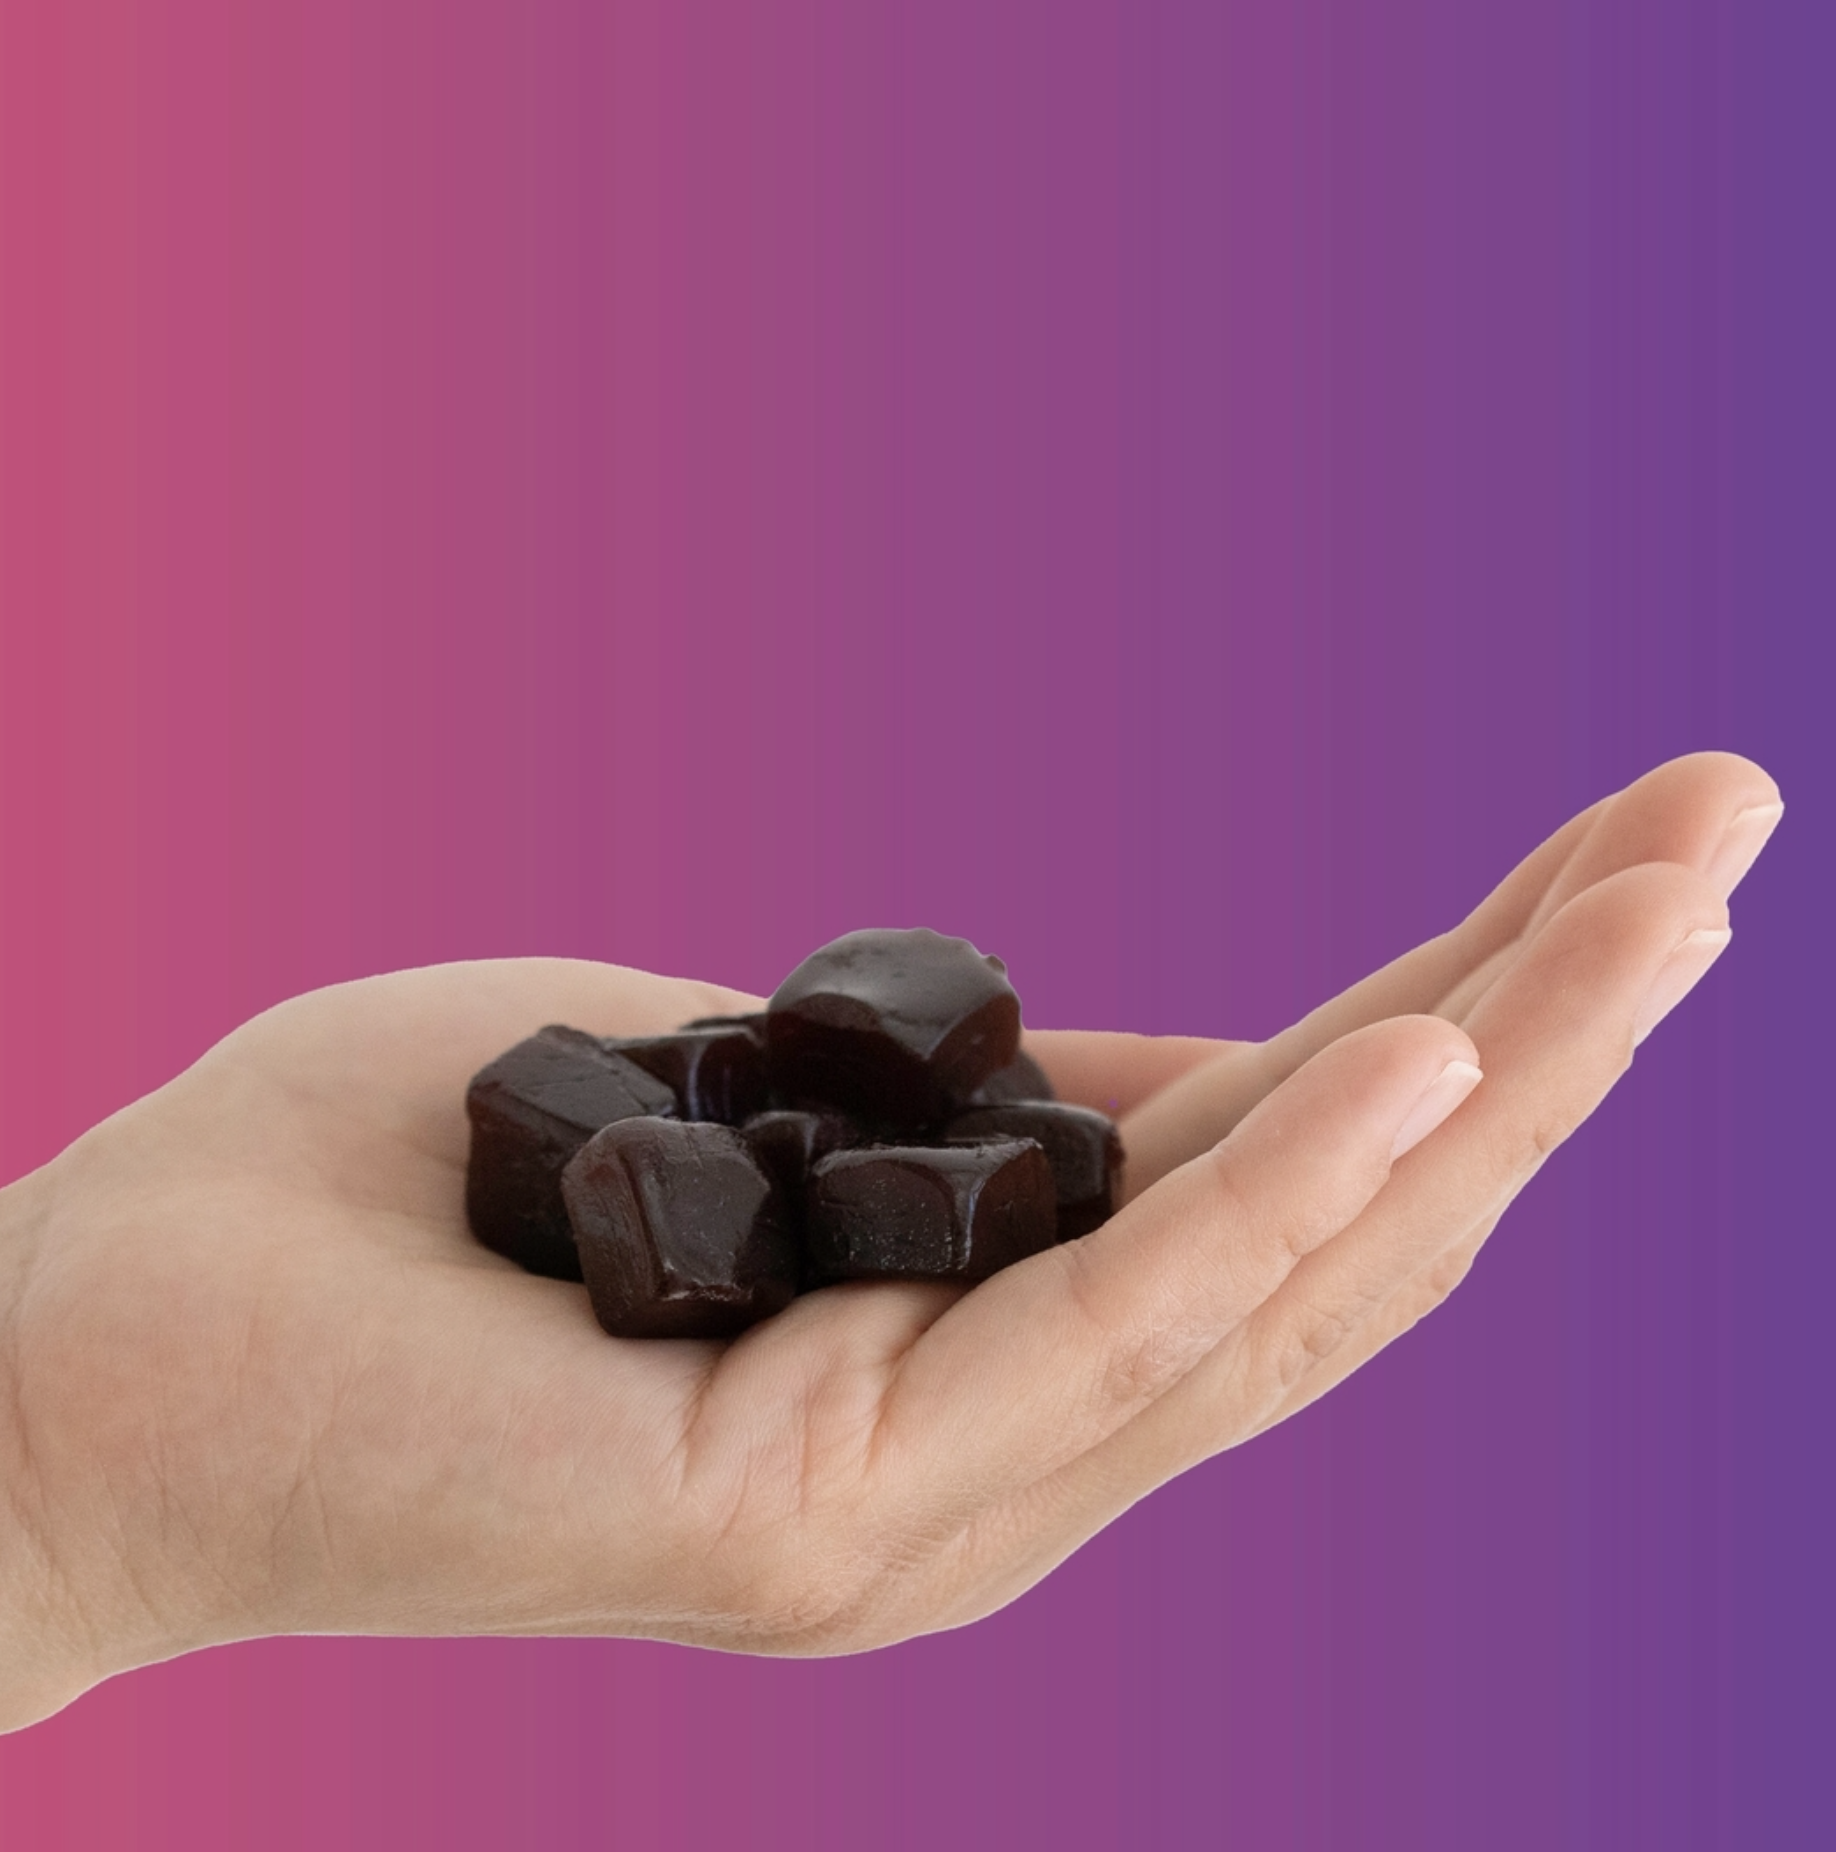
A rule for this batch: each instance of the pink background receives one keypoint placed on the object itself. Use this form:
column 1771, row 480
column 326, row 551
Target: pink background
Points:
column 1182, row 494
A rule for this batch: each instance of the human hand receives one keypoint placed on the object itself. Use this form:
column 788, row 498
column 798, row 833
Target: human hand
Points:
column 259, row 1378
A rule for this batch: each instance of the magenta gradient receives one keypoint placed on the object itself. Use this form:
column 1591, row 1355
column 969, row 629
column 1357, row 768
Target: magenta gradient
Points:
column 1180, row 493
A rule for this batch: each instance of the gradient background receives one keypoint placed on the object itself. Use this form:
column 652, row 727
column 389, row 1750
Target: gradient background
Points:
column 1183, row 494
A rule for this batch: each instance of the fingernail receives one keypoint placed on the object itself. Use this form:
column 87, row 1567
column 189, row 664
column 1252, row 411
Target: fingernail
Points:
column 1448, row 1088
column 1681, row 973
column 1739, row 848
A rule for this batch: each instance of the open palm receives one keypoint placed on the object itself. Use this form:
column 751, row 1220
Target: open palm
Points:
column 262, row 1379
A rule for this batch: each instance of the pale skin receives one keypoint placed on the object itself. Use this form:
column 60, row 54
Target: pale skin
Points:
column 256, row 1376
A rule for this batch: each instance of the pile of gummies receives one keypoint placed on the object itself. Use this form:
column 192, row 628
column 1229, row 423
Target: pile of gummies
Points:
column 877, row 1121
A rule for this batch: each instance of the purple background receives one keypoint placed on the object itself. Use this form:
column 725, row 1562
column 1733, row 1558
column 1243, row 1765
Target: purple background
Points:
column 1183, row 494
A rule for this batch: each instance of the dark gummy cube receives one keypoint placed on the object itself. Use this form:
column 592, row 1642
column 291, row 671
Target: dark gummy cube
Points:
column 681, row 1231
column 715, row 1070
column 531, row 1110
column 1082, row 1146
column 788, row 1140
column 897, row 1028
column 1022, row 1079
column 926, row 1212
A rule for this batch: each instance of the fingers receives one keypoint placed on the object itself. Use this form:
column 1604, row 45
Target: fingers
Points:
column 1647, row 936
column 1696, row 812
column 1205, row 1100
column 1402, row 1311
column 1553, row 1036
column 1119, row 1074
column 1556, row 1032
column 1115, row 1073
column 1711, row 811
column 1201, row 1098
column 1685, row 812
column 1043, row 1362
column 1419, row 979
column 1552, row 1039
column 1177, row 1096
column 1188, row 1117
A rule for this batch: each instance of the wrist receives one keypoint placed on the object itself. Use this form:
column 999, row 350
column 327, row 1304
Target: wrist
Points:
column 70, row 1614
column 37, row 1670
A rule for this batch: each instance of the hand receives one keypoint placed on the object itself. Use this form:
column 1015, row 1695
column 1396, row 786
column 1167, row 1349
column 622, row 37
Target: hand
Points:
column 259, row 1378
